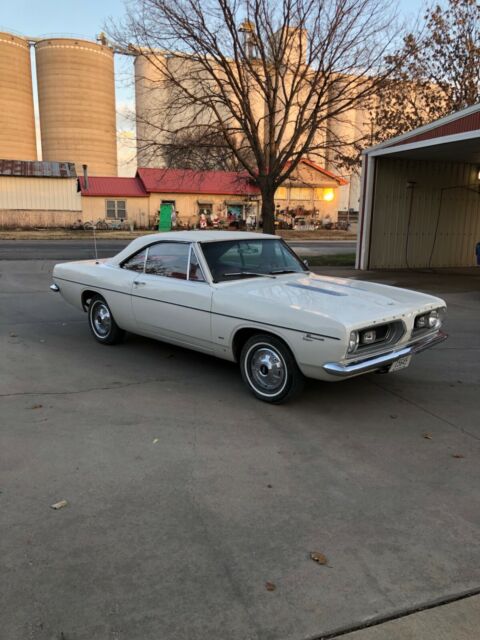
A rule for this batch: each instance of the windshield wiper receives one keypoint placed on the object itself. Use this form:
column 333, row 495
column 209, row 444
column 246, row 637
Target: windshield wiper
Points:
column 248, row 273
column 284, row 271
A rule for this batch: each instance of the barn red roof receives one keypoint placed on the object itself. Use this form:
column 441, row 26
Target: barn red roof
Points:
column 179, row 181
column 189, row 181
column 113, row 187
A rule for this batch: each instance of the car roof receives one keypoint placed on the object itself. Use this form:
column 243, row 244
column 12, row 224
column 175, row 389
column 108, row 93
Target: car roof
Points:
column 206, row 236
column 187, row 236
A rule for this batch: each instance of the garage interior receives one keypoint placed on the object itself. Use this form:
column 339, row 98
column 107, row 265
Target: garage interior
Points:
column 421, row 199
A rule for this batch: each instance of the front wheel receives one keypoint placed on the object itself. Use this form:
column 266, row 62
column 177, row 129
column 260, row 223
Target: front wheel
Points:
column 269, row 369
column 102, row 324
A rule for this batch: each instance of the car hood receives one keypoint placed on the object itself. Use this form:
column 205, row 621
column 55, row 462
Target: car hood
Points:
column 353, row 303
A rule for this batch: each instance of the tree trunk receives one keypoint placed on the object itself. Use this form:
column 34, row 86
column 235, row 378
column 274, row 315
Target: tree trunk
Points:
column 268, row 210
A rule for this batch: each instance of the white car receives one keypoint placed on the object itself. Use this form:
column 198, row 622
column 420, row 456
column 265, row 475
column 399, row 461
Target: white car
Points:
column 248, row 298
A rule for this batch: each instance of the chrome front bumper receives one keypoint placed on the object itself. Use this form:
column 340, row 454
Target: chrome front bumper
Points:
column 385, row 359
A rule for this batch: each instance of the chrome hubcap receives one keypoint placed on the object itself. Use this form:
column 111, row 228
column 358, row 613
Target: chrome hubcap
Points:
column 101, row 319
column 267, row 369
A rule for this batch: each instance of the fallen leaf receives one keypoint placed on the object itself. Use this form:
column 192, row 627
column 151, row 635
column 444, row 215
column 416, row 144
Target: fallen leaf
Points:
column 457, row 455
column 269, row 486
column 155, row 440
column 36, row 406
column 269, row 586
column 393, row 416
column 59, row 505
column 318, row 557
column 427, row 436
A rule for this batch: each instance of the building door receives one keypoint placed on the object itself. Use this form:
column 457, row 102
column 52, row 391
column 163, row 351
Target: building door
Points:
column 165, row 217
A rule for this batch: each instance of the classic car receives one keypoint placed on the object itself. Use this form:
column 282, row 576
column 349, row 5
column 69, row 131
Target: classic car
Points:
column 249, row 298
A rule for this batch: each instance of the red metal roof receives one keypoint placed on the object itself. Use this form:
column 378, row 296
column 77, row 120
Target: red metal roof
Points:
column 189, row 181
column 209, row 182
column 113, row 187
column 463, row 124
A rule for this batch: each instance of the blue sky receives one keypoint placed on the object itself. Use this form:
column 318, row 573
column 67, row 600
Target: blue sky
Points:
column 84, row 18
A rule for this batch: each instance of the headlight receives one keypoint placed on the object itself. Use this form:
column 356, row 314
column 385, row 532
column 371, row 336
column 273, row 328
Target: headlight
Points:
column 353, row 342
column 431, row 320
column 368, row 337
column 421, row 322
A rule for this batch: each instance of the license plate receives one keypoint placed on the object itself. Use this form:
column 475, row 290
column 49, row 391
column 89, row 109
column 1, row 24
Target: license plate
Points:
column 401, row 363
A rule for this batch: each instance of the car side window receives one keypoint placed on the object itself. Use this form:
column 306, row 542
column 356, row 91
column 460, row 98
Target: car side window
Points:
column 168, row 259
column 136, row 262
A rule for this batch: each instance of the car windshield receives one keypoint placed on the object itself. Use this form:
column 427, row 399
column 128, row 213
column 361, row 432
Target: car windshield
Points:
column 235, row 259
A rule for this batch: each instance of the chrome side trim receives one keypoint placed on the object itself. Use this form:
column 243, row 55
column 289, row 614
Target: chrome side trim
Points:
column 54, row 287
column 184, row 306
column 378, row 362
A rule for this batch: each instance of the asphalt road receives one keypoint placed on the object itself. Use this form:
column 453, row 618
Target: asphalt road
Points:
column 85, row 249
column 186, row 496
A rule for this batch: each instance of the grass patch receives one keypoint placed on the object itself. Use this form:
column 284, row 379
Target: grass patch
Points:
column 333, row 260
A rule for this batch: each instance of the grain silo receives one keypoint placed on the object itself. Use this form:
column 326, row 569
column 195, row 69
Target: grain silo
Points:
column 76, row 94
column 151, row 104
column 17, row 121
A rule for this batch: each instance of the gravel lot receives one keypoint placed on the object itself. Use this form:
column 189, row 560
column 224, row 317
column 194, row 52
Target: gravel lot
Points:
column 186, row 496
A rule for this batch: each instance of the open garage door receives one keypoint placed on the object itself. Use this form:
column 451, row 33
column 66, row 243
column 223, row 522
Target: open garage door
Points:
column 425, row 214
column 420, row 203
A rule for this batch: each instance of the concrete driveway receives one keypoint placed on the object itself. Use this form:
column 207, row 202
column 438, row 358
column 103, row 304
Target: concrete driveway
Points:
column 186, row 496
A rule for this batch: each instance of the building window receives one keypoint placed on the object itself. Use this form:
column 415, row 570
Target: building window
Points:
column 301, row 193
column 327, row 194
column 116, row 209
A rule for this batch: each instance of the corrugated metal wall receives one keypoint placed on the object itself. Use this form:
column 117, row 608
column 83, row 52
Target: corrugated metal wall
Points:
column 433, row 223
column 29, row 219
column 39, row 194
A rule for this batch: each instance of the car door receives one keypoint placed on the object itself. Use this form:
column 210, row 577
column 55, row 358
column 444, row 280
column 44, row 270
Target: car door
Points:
column 171, row 298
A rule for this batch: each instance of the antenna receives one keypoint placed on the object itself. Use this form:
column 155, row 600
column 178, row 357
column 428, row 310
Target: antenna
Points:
column 95, row 241
column 94, row 225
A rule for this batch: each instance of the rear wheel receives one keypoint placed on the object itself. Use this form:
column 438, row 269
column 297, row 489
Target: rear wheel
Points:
column 102, row 324
column 269, row 369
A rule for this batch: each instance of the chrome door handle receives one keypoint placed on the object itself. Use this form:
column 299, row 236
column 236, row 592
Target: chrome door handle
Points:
column 138, row 282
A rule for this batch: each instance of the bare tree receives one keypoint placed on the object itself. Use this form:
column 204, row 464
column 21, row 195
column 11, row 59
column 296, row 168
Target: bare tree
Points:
column 267, row 77
column 202, row 149
column 435, row 72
